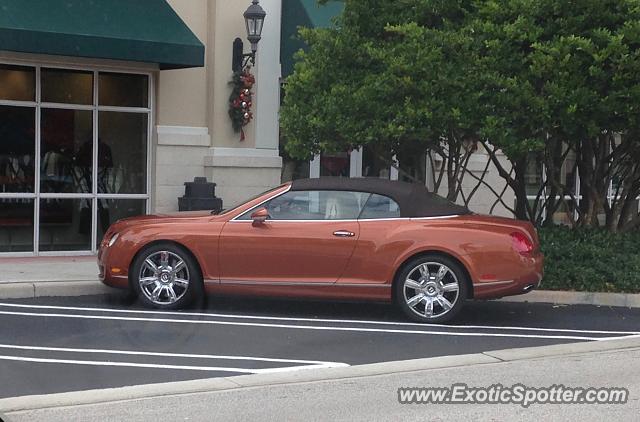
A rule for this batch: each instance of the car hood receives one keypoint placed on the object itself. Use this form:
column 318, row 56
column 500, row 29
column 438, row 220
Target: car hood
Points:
column 164, row 218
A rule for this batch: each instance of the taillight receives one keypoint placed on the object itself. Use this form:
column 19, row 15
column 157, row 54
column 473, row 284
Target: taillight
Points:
column 521, row 243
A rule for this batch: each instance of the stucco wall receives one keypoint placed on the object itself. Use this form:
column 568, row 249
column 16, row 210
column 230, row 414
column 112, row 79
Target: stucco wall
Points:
column 194, row 136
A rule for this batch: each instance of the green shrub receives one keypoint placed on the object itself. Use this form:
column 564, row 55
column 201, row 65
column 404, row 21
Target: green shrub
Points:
column 590, row 260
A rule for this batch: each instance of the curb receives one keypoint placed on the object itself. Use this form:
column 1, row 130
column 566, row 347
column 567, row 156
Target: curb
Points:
column 35, row 289
column 29, row 403
column 22, row 290
column 629, row 300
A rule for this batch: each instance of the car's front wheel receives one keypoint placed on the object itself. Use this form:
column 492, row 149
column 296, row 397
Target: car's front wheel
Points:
column 165, row 276
column 431, row 288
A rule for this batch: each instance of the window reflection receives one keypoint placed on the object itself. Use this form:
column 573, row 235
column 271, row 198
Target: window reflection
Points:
column 66, row 151
column 122, row 153
column 65, row 224
column 380, row 206
column 112, row 210
column 16, row 225
column 17, row 149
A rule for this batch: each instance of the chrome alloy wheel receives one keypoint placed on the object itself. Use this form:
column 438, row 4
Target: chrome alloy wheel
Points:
column 431, row 289
column 164, row 277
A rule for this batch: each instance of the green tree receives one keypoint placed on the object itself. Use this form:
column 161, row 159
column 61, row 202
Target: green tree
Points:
column 532, row 79
column 391, row 77
column 564, row 79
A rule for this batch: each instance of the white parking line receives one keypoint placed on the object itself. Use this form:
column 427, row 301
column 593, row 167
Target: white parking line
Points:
column 159, row 366
column 293, row 326
column 333, row 321
column 163, row 354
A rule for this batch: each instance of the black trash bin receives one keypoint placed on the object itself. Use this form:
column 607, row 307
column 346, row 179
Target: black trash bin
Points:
column 199, row 195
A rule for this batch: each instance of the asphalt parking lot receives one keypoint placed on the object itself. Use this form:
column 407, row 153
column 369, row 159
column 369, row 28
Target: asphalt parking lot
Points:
column 53, row 345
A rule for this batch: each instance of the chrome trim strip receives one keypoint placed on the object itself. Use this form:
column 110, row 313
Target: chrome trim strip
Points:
column 362, row 285
column 352, row 220
column 273, row 283
column 439, row 217
column 493, row 283
column 126, row 277
column 292, row 283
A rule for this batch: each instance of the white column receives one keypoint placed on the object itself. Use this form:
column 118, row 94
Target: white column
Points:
column 314, row 167
column 267, row 88
column 356, row 163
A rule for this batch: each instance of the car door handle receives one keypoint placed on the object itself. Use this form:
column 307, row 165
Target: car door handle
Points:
column 344, row 233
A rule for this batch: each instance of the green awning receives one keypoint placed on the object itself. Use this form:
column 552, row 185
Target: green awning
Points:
column 307, row 13
column 132, row 30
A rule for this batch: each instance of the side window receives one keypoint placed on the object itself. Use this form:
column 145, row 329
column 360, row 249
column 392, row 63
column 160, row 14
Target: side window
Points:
column 314, row 205
column 379, row 206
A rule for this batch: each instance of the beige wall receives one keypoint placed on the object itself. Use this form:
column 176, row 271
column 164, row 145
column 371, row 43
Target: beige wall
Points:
column 199, row 97
column 229, row 24
column 193, row 133
column 182, row 98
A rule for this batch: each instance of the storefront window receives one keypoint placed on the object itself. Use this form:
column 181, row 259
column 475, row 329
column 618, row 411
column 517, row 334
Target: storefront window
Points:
column 123, row 90
column 122, row 152
column 533, row 175
column 63, row 180
column 65, row 224
column 17, row 83
column 16, row 225
column 338, row 164
column 66, row 152
column 17, row 149
column 67, row 86
column 373, row 165
column 112, row 210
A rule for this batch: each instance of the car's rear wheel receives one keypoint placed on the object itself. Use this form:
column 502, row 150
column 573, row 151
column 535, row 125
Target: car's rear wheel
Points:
column 165, row 276
column 431, row 288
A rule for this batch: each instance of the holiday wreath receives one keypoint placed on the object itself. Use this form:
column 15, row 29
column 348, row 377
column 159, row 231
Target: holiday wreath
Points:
column 240, row 100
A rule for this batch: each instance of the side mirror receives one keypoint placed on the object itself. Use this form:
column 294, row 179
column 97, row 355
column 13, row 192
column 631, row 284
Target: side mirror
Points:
column 259, row 216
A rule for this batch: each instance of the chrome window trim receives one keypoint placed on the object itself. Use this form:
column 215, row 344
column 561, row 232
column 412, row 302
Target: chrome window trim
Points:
column 441, row 217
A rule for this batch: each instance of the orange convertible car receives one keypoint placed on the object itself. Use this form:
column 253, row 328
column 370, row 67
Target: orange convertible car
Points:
column 330, row 238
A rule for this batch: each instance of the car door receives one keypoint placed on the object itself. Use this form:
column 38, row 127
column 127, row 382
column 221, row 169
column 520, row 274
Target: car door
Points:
column 309, row 237
column 378, row 248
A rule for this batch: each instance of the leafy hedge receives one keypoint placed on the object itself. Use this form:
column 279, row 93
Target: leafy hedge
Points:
column 590, row 260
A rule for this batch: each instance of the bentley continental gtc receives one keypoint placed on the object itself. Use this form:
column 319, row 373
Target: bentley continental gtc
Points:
column 329, row 239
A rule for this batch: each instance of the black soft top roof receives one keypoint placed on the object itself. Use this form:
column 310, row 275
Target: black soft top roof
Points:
column 414, row 199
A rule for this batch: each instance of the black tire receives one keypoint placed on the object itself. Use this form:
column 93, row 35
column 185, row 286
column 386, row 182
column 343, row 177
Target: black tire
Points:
column 415, row 307
column 183, row 295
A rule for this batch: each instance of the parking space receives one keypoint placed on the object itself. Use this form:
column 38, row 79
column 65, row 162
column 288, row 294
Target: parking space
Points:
column 54, row 345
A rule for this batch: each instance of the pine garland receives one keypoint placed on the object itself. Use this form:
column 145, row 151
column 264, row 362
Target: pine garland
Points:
column 240, row 100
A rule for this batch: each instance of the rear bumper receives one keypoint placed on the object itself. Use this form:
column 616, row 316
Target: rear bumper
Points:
column 526, row 280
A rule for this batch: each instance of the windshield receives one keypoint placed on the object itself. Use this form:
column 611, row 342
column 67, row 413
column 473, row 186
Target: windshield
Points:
column 227, row 211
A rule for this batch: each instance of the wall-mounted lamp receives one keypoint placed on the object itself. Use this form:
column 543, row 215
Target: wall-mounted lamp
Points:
column 254, row 21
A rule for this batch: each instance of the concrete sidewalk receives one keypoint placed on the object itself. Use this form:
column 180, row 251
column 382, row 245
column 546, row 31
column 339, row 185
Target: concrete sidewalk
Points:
column 49, row 276
column 78, row 276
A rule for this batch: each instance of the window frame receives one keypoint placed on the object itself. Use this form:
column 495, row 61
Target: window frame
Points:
column 95, row 108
